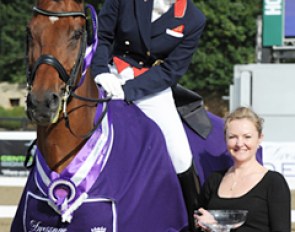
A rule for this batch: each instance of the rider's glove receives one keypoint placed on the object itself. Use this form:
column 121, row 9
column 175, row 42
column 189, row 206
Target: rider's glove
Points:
column 111, row 84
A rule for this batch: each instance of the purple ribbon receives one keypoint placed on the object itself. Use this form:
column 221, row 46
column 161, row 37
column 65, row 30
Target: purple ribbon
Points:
column 67, row 190
column 90, row 50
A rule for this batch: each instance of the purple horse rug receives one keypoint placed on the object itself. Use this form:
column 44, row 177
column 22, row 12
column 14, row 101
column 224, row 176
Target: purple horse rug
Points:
column 130, row 185
column 136, row 190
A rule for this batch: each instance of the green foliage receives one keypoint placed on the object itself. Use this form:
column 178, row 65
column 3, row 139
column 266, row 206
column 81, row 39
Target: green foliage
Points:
column 14, row 16
column 96, row 3
column 12, row 119
column 228, row 39
column 14, row 112
column 13, row 20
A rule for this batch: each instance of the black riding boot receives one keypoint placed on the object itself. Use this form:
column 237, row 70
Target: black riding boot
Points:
column 190, row 185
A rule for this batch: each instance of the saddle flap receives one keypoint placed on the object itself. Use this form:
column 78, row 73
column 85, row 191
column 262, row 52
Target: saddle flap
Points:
column 190, row 107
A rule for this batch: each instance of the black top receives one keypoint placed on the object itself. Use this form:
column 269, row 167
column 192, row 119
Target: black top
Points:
column 268, row 203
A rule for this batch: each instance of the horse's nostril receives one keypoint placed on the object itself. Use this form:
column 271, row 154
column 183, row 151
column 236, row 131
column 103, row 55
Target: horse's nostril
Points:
column 53, row 100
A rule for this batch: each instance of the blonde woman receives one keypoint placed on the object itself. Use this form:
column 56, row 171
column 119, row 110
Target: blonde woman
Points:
column 247, row 184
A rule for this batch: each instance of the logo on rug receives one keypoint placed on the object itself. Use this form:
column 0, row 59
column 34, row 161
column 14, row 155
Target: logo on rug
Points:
column 99, row 229
column 37, row 226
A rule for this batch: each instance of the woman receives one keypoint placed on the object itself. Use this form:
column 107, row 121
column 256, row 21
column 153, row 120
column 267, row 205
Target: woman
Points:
column 247, row 184
column 145, row 47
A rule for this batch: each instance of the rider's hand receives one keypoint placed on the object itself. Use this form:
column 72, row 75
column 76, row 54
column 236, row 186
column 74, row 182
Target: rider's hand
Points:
column 111, row 84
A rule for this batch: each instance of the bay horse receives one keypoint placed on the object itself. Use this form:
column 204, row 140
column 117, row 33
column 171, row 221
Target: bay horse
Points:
column 100, row 165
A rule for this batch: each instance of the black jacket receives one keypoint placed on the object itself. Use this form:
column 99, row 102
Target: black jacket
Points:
column 125, row 30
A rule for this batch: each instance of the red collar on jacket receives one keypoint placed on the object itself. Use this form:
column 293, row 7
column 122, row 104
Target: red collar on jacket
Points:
column 180, row 8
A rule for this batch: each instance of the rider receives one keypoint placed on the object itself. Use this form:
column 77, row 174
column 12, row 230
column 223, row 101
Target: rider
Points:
column 144, row 48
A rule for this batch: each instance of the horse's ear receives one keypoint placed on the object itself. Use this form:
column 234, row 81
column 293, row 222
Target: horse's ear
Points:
column 89, row 26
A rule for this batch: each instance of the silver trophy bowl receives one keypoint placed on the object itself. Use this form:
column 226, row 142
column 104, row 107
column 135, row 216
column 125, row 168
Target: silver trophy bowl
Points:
column 225, row 220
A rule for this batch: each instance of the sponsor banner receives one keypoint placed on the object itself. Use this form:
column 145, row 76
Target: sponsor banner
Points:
column 280, row 156
column 273, row 22
column 13, row 150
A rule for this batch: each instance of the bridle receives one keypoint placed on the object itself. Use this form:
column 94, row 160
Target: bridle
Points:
column 49, row 59
column 69, row 79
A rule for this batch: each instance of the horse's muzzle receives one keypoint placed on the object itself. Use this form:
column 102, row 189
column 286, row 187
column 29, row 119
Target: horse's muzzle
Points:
column 43, row 110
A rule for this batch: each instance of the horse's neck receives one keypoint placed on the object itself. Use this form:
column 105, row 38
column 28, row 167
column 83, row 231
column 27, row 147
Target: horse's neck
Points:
column 59, row 143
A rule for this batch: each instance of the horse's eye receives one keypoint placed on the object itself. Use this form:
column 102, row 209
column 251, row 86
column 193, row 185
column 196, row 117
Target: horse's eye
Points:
column 78, row 34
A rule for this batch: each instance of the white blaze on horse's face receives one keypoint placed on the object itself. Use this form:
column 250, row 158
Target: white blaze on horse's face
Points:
column 53, row 19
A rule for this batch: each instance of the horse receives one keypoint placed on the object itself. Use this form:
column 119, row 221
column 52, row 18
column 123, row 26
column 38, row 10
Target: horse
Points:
column 99, row 164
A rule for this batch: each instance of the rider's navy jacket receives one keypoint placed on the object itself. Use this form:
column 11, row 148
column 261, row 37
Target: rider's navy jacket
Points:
column 125, row 30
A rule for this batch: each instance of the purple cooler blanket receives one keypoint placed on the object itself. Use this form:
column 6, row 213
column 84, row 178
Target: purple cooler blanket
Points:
column 137, row 190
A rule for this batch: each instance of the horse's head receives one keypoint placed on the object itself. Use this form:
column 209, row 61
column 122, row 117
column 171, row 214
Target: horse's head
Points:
column 56, row 42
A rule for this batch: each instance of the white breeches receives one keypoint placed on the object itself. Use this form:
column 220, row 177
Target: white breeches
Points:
column 160, row 107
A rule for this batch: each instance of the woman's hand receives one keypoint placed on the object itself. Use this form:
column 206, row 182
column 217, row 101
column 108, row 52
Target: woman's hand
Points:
column 203, row 216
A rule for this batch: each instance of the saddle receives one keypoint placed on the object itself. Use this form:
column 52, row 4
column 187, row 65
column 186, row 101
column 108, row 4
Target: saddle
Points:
column 190, row 106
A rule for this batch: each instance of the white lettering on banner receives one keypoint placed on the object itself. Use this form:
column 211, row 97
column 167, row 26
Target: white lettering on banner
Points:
column 36, row 227
column 280, row 157
column 273, row 7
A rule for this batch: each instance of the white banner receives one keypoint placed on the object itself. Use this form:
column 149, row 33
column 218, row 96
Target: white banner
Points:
column 280, row 156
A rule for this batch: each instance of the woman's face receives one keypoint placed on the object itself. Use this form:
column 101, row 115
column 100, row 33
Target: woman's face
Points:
column 242, row 139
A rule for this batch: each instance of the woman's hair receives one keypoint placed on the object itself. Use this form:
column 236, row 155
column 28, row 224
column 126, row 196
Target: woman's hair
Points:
column 245, row 113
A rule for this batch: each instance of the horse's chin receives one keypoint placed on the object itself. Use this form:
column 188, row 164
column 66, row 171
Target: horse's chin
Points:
column 41, row 118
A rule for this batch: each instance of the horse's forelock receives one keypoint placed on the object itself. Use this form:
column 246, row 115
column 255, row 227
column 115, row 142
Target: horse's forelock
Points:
column 45, row 4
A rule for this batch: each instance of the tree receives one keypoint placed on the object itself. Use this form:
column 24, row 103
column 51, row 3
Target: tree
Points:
column 228, row 39
column 14, row 16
